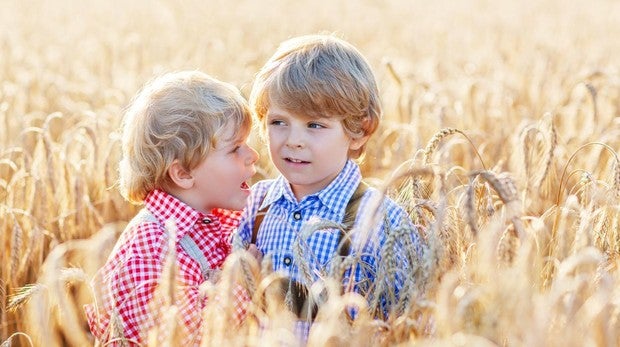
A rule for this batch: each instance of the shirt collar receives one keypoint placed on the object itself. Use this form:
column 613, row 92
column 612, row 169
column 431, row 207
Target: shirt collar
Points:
column 165, row 206
column 280, row 189
column 342, row 186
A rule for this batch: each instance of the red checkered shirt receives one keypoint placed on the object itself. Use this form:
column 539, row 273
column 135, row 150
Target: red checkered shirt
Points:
column 127, row 283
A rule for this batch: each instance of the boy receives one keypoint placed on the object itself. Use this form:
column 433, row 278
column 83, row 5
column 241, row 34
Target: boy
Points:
column 185, row 157
column 317, row 101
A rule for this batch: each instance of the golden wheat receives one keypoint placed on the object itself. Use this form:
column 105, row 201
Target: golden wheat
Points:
column 540, row 266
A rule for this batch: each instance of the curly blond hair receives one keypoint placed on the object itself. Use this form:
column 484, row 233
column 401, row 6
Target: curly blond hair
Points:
column 177, row 116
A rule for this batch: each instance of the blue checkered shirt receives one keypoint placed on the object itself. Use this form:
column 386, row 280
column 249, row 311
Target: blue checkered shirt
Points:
column 282, row 227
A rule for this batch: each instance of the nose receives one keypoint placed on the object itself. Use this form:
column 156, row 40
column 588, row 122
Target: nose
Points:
column 295, row 139
column 252, row 156
column 295, row 144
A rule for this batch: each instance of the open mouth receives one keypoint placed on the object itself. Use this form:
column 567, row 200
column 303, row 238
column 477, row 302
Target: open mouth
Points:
column 245, row 185
column 296, row 161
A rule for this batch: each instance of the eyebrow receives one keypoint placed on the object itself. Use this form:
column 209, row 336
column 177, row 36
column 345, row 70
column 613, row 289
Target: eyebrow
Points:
column 274, row 114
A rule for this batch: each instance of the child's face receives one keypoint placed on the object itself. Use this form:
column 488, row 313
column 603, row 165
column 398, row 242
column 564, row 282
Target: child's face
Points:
column 220, row 180
column 310, row 152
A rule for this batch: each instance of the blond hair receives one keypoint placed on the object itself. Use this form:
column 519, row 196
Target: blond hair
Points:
column 177, row 116
column 320, row 76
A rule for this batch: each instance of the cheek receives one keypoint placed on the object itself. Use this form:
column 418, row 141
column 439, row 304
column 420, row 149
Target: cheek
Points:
column 273, row 148
column 273, row 139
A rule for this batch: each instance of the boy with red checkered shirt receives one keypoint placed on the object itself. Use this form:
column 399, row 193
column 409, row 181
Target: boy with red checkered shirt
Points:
column 185, row 157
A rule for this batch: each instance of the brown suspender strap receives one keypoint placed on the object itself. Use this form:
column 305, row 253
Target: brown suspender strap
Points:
column 260, row 215
column 298, row 292
column 350, row 214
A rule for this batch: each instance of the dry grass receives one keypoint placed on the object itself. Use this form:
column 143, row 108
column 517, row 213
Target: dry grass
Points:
column 500, row 138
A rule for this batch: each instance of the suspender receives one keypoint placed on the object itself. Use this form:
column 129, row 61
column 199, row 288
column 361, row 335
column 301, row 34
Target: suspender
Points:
column 344, row 247
column 187, row 243
column 296, row 294
column 191, row 248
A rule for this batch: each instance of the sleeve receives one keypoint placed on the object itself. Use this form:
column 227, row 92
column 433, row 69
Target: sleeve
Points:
column 400, row 255
column 126, row 290
column 238, row 303
column 389, row 247
column 123, row 293
column 142, row 304
column 133, row 285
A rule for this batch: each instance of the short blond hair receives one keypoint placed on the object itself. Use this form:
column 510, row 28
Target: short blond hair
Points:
column 177, row 116
column 320, row 76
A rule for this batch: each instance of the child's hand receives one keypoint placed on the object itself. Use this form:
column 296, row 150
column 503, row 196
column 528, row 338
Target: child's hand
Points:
column 254, row 251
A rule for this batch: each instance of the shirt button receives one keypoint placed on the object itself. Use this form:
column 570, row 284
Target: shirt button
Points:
column 297, row 215
column 206, row 220
column 287, row 260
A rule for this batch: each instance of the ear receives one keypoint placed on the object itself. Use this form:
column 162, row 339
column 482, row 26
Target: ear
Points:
column 181, row 177
column 358, row 142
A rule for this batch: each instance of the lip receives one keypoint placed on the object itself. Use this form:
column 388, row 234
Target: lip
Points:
column 245, row 185
column 295, row 161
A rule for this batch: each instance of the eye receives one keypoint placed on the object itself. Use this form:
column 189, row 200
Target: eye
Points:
column 315, row 126
column 235, row 149
column 276, row 122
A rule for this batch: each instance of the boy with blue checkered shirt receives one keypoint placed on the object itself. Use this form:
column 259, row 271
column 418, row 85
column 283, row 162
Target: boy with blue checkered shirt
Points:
column 317, row 101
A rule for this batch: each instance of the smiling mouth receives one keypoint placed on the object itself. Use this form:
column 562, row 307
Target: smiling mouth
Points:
column 296, row 161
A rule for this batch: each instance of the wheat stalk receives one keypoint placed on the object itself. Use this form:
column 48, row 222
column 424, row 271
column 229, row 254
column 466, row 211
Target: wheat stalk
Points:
column 549, row 155
column 16, row 247
column 303, row 257
column 399, row 82
column 616, row 183
column 507, row 191
column 592, row 92
column 116, row 333
column 7, row 342
column 433, row 144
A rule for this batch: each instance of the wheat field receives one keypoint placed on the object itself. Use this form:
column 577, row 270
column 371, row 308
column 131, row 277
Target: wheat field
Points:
column 500, row 137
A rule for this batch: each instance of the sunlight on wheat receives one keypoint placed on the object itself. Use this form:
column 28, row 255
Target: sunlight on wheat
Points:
column 500, row 138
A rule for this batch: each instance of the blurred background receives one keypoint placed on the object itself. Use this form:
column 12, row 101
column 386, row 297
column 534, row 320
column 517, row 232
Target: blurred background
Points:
column 544, row 73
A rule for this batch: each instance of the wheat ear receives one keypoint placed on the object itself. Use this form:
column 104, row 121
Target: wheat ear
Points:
column 553, row 143
column 7, row 342
column 616, row 183
column 433, row 143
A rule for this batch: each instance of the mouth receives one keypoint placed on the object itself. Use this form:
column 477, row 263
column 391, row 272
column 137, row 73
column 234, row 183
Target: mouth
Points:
column 296, row 161
column 245, row 186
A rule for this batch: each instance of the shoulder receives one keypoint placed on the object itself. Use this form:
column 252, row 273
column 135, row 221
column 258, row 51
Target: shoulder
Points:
column 392, row 207
column 261, row 187
column 143, row 239
column 258, row 192
column 139, row 251
column 375, row 201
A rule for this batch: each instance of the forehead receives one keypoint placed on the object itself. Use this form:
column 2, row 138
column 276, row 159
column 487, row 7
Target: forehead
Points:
column 310, row 101
column 230, row 133
column 278, row 110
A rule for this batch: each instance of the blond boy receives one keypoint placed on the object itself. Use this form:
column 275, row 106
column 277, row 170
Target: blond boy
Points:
column 317, row 101
column 185, row 157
